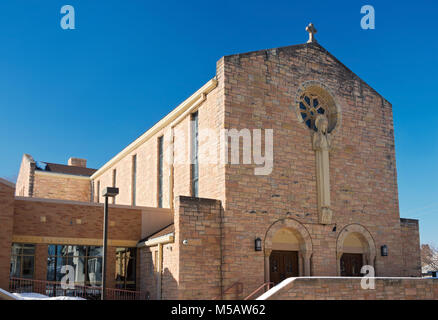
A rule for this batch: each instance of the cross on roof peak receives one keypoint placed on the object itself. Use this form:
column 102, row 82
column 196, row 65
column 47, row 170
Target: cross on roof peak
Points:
column 311, row 30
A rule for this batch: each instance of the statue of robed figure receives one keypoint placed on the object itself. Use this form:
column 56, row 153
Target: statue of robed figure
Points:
column 321, row 145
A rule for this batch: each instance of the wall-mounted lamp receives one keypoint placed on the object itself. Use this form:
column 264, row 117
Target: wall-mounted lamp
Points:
column 384, row 250
column 258, row 244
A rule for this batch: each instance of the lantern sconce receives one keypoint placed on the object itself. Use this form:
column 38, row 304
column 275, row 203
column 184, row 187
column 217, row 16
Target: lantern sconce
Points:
column 384, row 250
column 258, row 244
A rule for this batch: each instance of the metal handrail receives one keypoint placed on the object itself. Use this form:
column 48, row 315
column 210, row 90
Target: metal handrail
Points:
column 263, row 286
column 54, row 288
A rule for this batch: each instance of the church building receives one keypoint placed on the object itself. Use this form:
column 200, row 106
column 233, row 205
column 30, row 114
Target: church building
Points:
column 282, row 165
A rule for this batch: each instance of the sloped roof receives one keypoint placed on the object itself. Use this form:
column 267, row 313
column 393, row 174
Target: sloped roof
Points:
column 65, row 169
column 7, row 183
column 162, row 232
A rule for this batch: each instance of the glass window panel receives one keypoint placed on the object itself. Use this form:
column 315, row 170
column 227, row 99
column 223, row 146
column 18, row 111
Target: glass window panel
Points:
column 29, row 249
column 59, row 264
column 79, row 267
column 51, row 263
column 27, row 267
column 95, row 251
column 80, row 251
column 16, row 248
column 16, row 266
column 160, row 172
column 130, row 270
column 51, row 250
column 94, row 274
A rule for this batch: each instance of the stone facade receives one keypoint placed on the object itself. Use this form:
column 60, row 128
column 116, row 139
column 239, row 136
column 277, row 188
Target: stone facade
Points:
column 66, row 187
column 350, row 289
column 410, row 244
column 260, row 92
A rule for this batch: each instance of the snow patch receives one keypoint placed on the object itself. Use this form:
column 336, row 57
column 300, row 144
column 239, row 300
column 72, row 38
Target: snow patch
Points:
column 38, row 296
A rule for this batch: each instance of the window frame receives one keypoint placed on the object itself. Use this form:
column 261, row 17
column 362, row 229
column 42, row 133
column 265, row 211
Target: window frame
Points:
column 160, row 171
column 194, row 161
column 134, row 180
column 21, row 255
column 86, row 259
column 126, row 284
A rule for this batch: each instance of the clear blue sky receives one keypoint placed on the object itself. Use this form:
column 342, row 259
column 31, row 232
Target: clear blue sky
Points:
column 89, row 92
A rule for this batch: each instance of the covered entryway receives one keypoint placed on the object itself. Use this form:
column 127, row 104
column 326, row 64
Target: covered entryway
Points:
column 283, row 265
column 288, row 251
column 355, row 248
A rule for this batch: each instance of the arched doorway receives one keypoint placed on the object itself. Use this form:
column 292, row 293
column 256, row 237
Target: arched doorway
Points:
column 288, row 250
column 355, row 248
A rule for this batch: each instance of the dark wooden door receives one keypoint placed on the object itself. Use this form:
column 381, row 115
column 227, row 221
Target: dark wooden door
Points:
column 283, row 264
column 351, row 263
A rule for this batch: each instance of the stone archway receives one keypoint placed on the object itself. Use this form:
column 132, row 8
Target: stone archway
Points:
column 355, row 238
column 300, row 241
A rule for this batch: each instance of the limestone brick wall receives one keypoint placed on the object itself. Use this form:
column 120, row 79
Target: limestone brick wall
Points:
column 411, row 247
column 350, row 289
column 260, row 93
column 199, row 222
column 25, row 179
column 64, row 187
column 211, row 175
column 6, row 222
column 149, row 277
column 63, row 219
column 169, row 281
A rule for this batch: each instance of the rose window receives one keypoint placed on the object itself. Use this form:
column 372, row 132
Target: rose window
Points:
column 310, row 107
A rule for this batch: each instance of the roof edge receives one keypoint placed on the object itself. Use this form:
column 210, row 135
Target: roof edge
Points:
column 169, row 118
column 7, row 183
column 316, row 44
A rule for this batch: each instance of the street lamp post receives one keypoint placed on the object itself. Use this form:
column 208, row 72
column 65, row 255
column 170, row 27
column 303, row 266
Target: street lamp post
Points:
column 107, row 192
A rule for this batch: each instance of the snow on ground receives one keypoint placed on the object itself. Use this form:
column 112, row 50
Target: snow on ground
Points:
column 37, row 296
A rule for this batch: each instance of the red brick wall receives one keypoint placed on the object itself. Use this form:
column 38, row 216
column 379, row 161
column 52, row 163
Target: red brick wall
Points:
column 6, row 223
column 350, row 289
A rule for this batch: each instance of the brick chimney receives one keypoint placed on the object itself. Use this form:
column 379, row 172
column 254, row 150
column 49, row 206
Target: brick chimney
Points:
column 77, row 162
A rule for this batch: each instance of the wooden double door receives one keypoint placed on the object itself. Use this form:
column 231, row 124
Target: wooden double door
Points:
column 351, row 263
column 283, row 265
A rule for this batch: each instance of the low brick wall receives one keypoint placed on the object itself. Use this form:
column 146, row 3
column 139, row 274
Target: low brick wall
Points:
column 348, row 288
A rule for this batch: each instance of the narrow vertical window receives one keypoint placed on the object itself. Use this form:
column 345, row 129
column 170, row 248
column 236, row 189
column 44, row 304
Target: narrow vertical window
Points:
column 98, row 192
column 134, row 179
column 194, row 156
column 114, row 182
column 160, row 172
